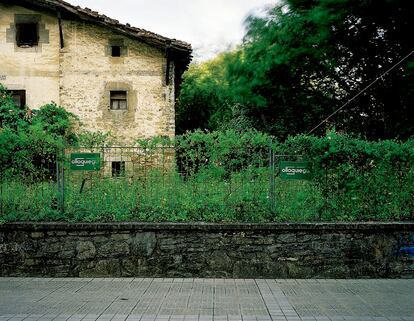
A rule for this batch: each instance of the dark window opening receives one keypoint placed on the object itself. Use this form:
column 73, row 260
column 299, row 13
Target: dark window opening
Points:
column 119, row 100
column 116, row 51
column 118, row 169
column 27, row 34
column 19, row 97
column 19, row 100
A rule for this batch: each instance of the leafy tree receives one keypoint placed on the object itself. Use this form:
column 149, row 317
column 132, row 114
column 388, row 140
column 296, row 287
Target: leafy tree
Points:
column 204, row 101
column 305, row 59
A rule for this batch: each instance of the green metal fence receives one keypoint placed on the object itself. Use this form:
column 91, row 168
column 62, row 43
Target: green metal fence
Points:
column 162, row 184
column 32, row 193
column 158, row 183
column 169, row 184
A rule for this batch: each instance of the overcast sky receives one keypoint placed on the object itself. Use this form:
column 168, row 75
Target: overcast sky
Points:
column 211, row 26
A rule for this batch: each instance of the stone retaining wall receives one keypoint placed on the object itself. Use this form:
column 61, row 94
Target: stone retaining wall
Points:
column 207, row 250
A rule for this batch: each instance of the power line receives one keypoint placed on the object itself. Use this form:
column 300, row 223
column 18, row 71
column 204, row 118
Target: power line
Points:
column 361, row 92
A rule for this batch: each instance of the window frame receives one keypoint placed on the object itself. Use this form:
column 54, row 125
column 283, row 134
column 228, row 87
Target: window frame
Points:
column 114, row 99
column 22, row 96
column 117, row 53
column 24, row 42
column 117, row 44
column 118, row 169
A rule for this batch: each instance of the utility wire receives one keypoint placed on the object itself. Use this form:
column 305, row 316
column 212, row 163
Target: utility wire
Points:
column 361, row 92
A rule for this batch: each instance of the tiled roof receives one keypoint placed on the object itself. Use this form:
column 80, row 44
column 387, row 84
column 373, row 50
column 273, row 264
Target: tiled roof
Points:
column 66, row 9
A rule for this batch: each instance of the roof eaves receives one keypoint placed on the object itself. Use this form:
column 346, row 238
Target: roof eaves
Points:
column 95, row 17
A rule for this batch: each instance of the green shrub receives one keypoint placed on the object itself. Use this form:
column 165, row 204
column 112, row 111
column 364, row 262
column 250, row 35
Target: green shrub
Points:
column 29, row 139
column 222, row 176
column 228, row 150
column 358, row 179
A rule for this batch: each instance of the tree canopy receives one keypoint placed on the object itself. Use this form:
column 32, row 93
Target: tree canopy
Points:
column 302, row 61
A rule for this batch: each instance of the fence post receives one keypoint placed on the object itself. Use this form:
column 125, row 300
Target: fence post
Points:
column 60, row 179
column 272, row 177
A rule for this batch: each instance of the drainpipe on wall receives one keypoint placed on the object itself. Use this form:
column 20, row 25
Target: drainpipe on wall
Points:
column 62, row 44
column 167, row 56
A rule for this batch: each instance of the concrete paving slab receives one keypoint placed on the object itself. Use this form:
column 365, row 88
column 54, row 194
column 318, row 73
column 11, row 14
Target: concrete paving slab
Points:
column 146, row 299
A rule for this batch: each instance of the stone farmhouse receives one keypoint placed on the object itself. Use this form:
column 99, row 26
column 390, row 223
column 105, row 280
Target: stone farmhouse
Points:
column 115, row 77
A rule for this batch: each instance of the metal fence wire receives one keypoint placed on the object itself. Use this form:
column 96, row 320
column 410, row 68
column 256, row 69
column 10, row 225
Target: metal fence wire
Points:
column 162, row 181
column 31, row 192
column 171, row 184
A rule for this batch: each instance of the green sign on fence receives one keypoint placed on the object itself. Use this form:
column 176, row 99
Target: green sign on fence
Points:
column 85, row 161
column 294, row 170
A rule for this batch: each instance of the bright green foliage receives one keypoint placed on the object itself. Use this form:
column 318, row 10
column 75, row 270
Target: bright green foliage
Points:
column 56, row 121
column 225, row 177
column 226, row 151
column 204, row 101
column 10, row 115
column 29, row 139
column 305, row 59
column 155, row 142
column 90, row 139
column 360, row 180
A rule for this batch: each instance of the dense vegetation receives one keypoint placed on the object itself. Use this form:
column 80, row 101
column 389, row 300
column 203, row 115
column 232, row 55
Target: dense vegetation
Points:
column 225, row 177
column 302, row 61
column 29, row 138
column 298, row 63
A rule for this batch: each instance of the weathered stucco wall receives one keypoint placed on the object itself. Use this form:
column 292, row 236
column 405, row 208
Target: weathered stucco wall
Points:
column 34, row 69
column 81, row 75
column 89, row 73
column 208, row 250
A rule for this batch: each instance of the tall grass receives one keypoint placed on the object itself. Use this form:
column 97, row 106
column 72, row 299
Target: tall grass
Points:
column 207, row 197
column 225, row 177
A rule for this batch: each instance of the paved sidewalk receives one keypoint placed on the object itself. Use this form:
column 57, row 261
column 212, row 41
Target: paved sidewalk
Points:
column 135, row 299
